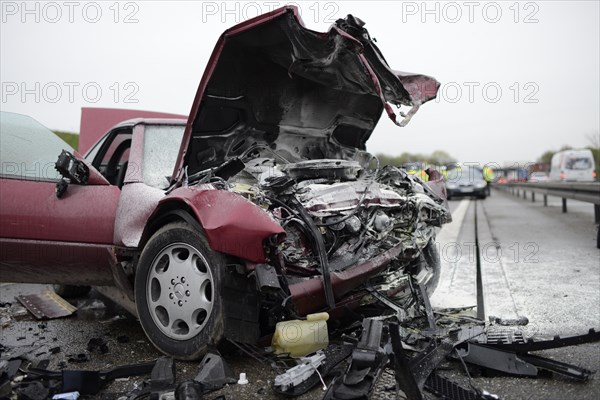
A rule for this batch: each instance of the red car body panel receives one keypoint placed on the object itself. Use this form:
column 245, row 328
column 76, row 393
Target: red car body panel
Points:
column 309, row 296
column 312, row 57
column 49, row 240
column 36, row 261
column 210, row 68
column 85, row 214
column 233, row 225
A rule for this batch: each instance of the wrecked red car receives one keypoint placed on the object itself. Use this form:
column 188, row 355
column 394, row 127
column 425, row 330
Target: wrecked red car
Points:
column 263, row 206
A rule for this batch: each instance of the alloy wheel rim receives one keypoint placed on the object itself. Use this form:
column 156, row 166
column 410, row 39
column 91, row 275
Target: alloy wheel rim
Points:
column 180, row 291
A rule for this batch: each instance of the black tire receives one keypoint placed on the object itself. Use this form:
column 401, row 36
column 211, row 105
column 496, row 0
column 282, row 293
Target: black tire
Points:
column 158, row 261
column 70, row 291
column 431, row 261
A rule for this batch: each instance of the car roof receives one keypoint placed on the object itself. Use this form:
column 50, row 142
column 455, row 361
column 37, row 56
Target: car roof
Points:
column 150, row 121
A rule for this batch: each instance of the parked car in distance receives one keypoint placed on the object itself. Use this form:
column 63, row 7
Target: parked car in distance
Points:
column 573, row 166
column 538, row 177
column 466, row 182
column 262, row 207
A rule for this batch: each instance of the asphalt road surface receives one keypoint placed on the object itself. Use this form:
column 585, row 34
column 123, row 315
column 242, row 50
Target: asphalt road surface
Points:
column 535, row 262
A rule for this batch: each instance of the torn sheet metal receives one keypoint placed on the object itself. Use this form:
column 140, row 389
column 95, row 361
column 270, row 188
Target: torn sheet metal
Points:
column 47, row 305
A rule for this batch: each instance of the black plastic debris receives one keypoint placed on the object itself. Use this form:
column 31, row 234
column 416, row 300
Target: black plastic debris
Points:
column 521, row 346
column 189, row 390
column 97, row 344
column 8, row 369
column 521, row 320
column 91, row 382
column 447, row 389
column 368, row 362
column 163, row 374
column 214, row 372
column 405, row 380
column 78, row 358
column 524, row 364
column 85, row 382
column 123, row 339
column 40, row 383
column 33, row 391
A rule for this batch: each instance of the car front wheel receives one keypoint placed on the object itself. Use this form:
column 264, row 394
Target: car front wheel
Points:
column 177, row 292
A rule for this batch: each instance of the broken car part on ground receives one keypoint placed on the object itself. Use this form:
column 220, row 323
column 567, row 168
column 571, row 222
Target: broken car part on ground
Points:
column 383, row 352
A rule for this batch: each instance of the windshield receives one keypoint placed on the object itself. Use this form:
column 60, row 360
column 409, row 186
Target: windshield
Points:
column 579, row 163
column 28, row 150
column 468, row 175
column 161, row 146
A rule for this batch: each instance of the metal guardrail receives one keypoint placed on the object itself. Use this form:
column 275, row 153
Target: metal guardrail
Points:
column 588, row 192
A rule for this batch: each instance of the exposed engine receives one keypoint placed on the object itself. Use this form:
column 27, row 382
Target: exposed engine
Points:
column 335, row 212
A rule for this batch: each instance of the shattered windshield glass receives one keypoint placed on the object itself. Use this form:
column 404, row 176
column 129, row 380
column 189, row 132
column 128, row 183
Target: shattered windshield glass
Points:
column 161, row 146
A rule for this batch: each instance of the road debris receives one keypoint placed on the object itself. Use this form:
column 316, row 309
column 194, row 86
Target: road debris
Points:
column 299, row 338
column 189, row 390
column 296, row 375
column 214, row 372
column 47, row 305
column 97, row 344
column 243, row 379
column 66, row 396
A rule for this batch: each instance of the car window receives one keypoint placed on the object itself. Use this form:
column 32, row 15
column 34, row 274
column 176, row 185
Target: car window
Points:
column 113, row 157
column 579, row 163
column 161, row 147
column 28, row 150
column 92, row 153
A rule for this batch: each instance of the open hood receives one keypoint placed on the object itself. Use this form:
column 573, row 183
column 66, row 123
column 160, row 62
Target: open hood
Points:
column 271, row 85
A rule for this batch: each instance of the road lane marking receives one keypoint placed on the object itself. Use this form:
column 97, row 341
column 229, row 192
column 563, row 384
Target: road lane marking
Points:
column 449, row 233
column 457, row 278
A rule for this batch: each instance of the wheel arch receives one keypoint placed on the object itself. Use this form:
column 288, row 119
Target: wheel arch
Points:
column 232, row 224
column 167, row 213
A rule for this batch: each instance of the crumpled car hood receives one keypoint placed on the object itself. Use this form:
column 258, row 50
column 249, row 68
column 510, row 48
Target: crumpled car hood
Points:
column 273, row 85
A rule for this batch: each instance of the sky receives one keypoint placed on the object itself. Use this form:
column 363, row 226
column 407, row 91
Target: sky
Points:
column 517, row 78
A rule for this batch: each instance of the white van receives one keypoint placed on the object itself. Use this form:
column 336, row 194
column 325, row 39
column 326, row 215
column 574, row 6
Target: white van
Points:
column 573, row 165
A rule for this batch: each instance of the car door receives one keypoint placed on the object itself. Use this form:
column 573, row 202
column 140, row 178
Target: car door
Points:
column 44, row 238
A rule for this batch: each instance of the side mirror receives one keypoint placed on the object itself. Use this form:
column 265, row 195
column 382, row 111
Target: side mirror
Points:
column 72, row 170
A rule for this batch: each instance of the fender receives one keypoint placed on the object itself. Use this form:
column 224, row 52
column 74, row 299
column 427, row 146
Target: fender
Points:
column 233, row 225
